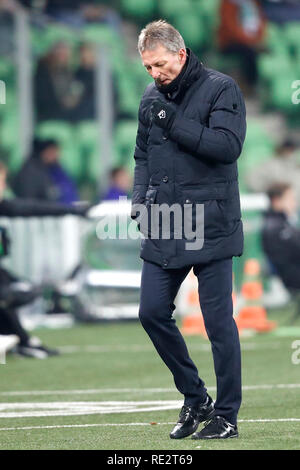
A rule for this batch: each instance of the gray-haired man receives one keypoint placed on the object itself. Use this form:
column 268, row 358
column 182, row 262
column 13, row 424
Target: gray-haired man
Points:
column 190, row 134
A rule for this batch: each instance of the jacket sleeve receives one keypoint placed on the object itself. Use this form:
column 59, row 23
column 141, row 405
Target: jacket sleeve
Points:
column 141, row 174
column 222, row 140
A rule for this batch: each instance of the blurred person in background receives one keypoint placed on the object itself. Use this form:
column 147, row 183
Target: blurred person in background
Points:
column 56, row 94
column 77, row 13
column 7, row 8
column 120, row 184
column 15, row 292
column 241, row 33
column 281, row 11
column 281, row 236
column 284, row 167
column 42, row 176
column 84, row 78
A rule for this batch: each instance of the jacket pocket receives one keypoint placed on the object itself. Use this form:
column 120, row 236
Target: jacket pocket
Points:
column 212, row 215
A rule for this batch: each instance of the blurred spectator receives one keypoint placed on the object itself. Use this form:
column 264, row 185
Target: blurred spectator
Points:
column 280, row 236
column 84, row 78
column 79, row 12
column 241, row 33
column 281, row 11
column 9, row 5
column 120, row 184
column 42, row 177
column 7, row 41
column 55, row 92
column 13, row 292
column 284, row 167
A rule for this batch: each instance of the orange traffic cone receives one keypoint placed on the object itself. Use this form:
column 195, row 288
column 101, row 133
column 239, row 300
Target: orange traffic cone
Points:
column 253, row 315
column 193, row 323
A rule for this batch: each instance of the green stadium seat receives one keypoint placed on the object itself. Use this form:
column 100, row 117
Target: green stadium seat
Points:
column 292, row 36
column 15, row 159
column 44, row 39
column 9, row 132
column 128, row 98
column 125, row 136
column 9, row 128
column 271, row 65
column 172, row 8
column 281, row 94
column 138, row 9
column 140, row 75
column 7, row 70
column 101, row 34
column 60, row 130
column 87, row 135
column 275, row 39
column 257, row 136
column 258, row 147
column 208, row 9
column 192, row 29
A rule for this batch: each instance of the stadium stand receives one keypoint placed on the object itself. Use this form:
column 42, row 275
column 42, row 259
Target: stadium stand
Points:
column 276, row 65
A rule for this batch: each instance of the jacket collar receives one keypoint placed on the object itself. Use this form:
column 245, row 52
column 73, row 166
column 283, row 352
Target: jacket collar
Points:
column 191, row 71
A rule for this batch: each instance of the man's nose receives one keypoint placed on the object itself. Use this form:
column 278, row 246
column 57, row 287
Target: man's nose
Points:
column 155, row 73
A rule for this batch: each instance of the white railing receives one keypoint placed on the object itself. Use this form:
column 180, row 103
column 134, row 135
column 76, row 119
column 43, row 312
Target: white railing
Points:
column 48, row 248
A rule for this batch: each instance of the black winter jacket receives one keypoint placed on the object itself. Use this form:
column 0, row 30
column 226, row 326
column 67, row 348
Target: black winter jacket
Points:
column 193, row 162
column 281, row 244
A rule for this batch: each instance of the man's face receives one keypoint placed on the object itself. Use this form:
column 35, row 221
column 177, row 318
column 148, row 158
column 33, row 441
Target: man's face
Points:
column 162, row 65
column 50, row 155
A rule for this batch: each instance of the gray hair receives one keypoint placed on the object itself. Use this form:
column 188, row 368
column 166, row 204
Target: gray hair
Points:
column 160, row 33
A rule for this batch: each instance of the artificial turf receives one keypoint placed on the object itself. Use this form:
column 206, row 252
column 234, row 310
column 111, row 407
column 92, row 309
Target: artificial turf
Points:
column 117, row 363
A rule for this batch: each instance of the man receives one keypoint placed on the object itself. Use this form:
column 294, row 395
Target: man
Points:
column 190, row 134
column 280, row 236
column 15, row 292
column 120, row 184
column 42, row 176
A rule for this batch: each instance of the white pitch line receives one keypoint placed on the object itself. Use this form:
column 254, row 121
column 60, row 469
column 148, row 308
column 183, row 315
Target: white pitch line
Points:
column 96, row 425
column 206, row 347
column 66, row 408
column 134, row 390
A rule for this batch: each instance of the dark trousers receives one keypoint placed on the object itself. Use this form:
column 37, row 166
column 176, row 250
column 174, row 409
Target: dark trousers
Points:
column 10, row 325
column 158, row 291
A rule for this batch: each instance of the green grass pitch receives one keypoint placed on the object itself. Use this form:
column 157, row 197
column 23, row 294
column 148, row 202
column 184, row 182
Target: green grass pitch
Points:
column 116, row 364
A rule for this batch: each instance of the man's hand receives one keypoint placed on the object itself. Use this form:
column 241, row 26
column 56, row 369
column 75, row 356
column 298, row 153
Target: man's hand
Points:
column 162, row 114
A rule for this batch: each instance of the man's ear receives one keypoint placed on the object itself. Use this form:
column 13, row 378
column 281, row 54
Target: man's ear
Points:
column 182, row 55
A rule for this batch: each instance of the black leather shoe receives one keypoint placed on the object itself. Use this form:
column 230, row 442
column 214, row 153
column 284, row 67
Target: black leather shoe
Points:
column 190, row 417
column 217, row 428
